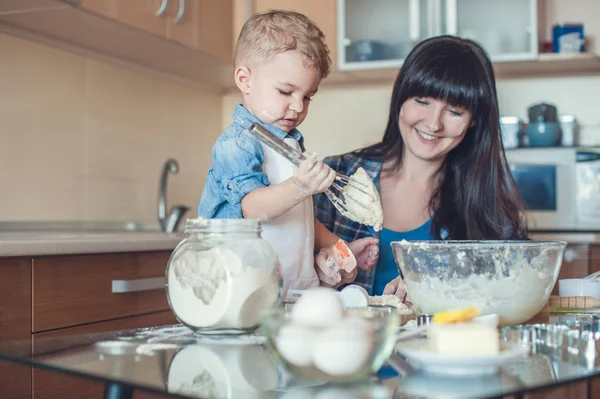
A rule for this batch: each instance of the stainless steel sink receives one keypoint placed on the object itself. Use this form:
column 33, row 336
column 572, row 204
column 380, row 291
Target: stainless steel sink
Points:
column 78, row 226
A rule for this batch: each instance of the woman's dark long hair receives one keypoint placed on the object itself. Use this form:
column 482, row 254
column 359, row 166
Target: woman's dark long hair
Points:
column 476, row 198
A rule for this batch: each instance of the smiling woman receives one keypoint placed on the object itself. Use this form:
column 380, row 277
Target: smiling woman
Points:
column 440, row 168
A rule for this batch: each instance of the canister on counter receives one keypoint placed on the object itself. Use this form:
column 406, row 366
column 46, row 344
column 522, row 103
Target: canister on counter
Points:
column 567, row 38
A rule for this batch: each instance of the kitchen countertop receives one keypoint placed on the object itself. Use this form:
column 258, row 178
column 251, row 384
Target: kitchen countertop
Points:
column 63, row 242
column 570, row 236
column 35, row 238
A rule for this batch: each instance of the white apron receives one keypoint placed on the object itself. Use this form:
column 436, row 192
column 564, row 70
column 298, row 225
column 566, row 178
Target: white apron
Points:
column 292, row 234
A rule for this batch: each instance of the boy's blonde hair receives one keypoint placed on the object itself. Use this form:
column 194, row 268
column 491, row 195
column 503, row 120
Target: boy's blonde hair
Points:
column 266, row 34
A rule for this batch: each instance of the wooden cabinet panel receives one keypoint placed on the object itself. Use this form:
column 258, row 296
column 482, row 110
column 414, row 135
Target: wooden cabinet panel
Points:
column 577, row 390
column 54, row 385
column 215, row 28
column 576, row 264
column 207, row 26
column 184, row 31
column 322, row 12
column 104, row 7
column 594, row 258
column 15, row 324
column 75, row 290
column 141, row 14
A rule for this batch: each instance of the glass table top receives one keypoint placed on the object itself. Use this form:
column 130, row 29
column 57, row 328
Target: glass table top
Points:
column 173, row 360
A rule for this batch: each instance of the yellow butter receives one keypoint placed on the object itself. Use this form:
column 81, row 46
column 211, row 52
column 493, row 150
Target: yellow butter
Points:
column 456, row 316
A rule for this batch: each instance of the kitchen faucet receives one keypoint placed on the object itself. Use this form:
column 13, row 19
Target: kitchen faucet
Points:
column 168, row 223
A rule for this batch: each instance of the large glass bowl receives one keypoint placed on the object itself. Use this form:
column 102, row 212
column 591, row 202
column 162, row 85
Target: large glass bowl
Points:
column 511, row 278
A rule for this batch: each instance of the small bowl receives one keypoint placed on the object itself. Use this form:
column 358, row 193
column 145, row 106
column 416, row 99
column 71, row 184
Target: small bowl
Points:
column 347, row 360
column 579, row 287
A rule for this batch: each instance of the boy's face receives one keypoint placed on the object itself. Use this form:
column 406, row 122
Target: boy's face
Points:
column 278, row 91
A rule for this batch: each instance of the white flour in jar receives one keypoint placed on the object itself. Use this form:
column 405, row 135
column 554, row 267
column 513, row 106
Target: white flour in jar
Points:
column 215, row 289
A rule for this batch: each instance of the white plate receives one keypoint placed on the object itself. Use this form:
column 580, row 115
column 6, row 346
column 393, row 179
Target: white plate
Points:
column 418, row 353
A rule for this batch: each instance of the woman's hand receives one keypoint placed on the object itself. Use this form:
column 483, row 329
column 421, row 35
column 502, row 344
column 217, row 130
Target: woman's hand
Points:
column 396, row 287
column 366, row 252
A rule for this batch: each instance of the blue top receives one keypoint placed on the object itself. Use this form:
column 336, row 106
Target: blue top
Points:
column 386, row 269
column 350, row 230
column 236, row 170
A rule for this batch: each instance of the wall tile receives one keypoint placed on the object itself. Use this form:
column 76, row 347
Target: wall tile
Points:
column 82, row 139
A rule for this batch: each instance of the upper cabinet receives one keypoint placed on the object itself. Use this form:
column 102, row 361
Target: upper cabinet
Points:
column 193, row 40
column 204, row 25
column 507, row 29
column 380, row 33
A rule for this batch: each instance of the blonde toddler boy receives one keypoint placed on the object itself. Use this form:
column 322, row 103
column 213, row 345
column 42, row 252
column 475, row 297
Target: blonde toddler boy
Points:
column 280, row 59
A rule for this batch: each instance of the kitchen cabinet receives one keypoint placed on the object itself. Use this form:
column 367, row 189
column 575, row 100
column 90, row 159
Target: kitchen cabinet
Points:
column 381, row 33
column 142, row 14
column 50, row 301
column 51, row 385
column 323, row 13
column 15, row 324
column 508, row 30
column 594, row 259
column 76, row 290
column 188, row 41
column 203, row 25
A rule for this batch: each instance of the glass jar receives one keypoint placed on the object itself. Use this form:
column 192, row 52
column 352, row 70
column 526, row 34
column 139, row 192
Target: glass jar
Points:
column 222, row 276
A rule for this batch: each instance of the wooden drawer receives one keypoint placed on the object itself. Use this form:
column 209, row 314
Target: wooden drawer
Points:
column 55, row 385
column 15, row 325
column 74, row 290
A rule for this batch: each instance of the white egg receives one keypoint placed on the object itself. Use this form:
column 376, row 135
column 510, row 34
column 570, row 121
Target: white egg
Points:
column 343, row 349
column 318, row 307
column 294, row 343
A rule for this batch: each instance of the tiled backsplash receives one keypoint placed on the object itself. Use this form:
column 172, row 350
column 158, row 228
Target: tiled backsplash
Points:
column 82, row 139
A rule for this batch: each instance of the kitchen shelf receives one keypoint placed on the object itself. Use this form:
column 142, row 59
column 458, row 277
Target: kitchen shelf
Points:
column 546, row 65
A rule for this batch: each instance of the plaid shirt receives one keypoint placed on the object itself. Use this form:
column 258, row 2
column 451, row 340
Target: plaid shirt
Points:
column 340, row 225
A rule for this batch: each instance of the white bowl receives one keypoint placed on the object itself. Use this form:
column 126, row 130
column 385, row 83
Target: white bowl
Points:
column 579, row 287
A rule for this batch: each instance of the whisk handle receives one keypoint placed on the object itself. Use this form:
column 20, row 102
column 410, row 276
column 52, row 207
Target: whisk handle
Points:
column 274, row 142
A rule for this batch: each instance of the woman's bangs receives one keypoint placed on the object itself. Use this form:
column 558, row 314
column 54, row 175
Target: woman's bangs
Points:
column 449, row 81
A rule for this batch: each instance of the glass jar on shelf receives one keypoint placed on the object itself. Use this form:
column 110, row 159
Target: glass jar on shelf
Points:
column 222, row 276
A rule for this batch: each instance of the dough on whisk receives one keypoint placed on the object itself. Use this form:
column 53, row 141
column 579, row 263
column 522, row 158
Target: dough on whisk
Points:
column 362, row 200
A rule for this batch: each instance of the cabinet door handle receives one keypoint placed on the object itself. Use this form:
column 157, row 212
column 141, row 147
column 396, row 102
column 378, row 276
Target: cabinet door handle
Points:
column 142, row 284
column 180, row 12
column 163, row 8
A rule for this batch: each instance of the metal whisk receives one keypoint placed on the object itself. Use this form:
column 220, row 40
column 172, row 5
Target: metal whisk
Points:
column 335, row 193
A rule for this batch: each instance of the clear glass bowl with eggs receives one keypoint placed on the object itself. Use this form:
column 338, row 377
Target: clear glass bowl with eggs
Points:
column 510, row 278
column 317, row 339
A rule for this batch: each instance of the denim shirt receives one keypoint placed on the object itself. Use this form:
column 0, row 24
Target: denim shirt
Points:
column 236, row 170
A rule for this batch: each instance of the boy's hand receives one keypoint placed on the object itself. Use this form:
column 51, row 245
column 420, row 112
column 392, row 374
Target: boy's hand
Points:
column 366, row 252
column 328, row 276
column 313, row 176
column 396, row 287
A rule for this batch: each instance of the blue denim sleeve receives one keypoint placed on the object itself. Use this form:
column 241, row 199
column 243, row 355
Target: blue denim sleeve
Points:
column 237, row 161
